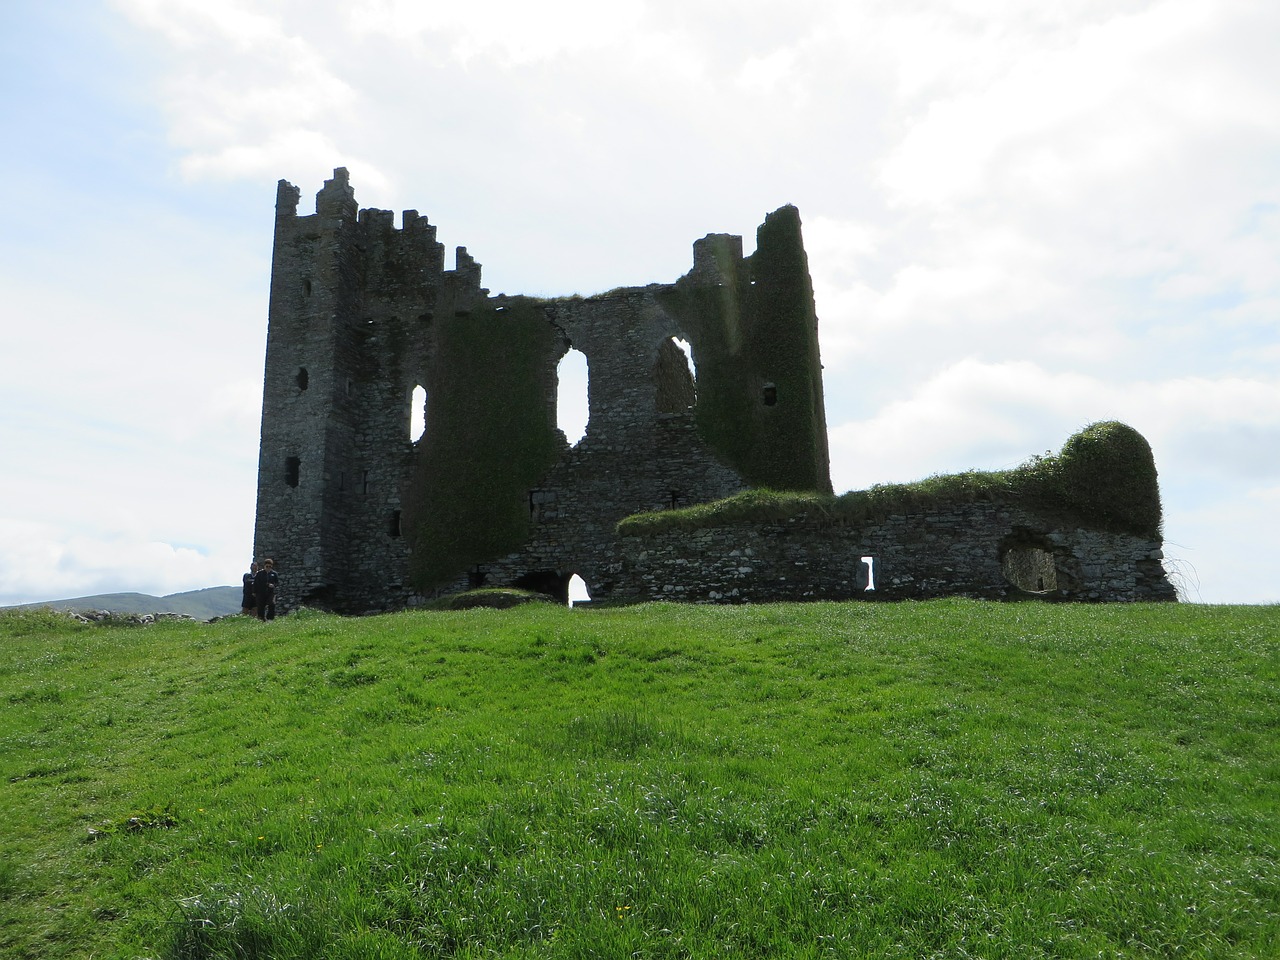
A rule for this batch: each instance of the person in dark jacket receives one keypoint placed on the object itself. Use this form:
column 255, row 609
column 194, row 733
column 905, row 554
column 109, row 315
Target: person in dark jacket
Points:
column 264, row 590
column 247, row 606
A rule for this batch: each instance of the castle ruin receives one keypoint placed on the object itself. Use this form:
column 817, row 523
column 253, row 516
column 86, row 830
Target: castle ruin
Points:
column 362, row 517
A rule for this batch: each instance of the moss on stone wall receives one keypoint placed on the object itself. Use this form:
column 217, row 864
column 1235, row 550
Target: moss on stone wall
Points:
column 489, row 438
column 1103, row 479
column 755, row 341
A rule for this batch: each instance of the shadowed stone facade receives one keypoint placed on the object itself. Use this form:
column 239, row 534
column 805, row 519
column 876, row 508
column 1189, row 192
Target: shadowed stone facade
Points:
column 361, row 517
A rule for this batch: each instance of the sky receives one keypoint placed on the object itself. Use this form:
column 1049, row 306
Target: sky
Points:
column 1021, row 218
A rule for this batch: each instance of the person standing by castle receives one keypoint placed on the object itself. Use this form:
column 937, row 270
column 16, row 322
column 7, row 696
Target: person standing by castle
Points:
column 264, row 590
column 247, row 606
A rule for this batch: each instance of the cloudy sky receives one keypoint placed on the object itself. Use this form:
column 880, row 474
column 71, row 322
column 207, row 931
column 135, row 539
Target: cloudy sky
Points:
column 1021, row 218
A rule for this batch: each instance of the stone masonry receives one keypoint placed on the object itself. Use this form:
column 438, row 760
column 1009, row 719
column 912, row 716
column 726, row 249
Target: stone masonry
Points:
column 982, row 549
column 361, row 313
column 361, row 517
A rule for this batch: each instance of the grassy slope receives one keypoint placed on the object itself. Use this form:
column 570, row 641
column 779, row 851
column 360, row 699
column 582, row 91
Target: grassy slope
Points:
column 883, row 780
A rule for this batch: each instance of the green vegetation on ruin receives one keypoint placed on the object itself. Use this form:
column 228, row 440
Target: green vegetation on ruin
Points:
column 1104, row 478
column 942, row 779
column 490, row 437
column 759, row 328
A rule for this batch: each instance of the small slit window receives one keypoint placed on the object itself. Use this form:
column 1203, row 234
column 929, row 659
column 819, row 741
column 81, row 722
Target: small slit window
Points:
column 303, row 378
column 393, row 524
column 769, row 394
column 417, row 413
column 292, row 470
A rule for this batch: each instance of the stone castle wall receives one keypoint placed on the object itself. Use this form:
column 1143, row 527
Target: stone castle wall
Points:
column 972, row 549
column 360, row 516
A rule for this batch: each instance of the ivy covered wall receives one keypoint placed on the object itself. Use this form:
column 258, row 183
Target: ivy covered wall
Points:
column 755, row 339
column 1103, row 479
column 490, row 436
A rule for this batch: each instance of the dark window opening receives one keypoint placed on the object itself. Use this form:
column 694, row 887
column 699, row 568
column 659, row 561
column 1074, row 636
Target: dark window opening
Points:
column 1030, row 568
column 477, row 578
column 364, row 482
column 306, row 286
column 393, row 526
column 769, row 394
column 675, row 500
column 303, row 378
column 292, row 470
column 542, row 505
column 551, row 582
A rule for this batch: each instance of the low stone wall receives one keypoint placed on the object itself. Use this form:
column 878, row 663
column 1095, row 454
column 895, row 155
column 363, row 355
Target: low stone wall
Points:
column 986, row 550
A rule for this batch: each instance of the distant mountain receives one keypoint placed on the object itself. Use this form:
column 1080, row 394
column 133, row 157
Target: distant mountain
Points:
column 201, row 604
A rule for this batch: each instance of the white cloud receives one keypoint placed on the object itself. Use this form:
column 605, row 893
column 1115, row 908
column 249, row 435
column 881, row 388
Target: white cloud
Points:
column 245, row 94
column 508, row 31
column 1099, row 106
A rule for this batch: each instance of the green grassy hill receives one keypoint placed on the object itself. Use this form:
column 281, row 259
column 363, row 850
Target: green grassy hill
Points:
column 942, row 779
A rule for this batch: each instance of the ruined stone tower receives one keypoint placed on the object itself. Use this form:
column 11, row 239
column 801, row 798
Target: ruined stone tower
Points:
column 360, row 516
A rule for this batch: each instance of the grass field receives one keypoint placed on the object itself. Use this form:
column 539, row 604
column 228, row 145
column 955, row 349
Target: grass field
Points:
column 942, row 779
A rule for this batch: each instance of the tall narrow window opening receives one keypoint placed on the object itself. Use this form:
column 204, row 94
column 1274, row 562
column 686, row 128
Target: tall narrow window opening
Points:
column 417, row 414
column 572, row 392
column 292, row 470
column 303, row 378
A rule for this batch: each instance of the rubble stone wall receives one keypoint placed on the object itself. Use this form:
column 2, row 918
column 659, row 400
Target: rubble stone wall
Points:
column 959, row 551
